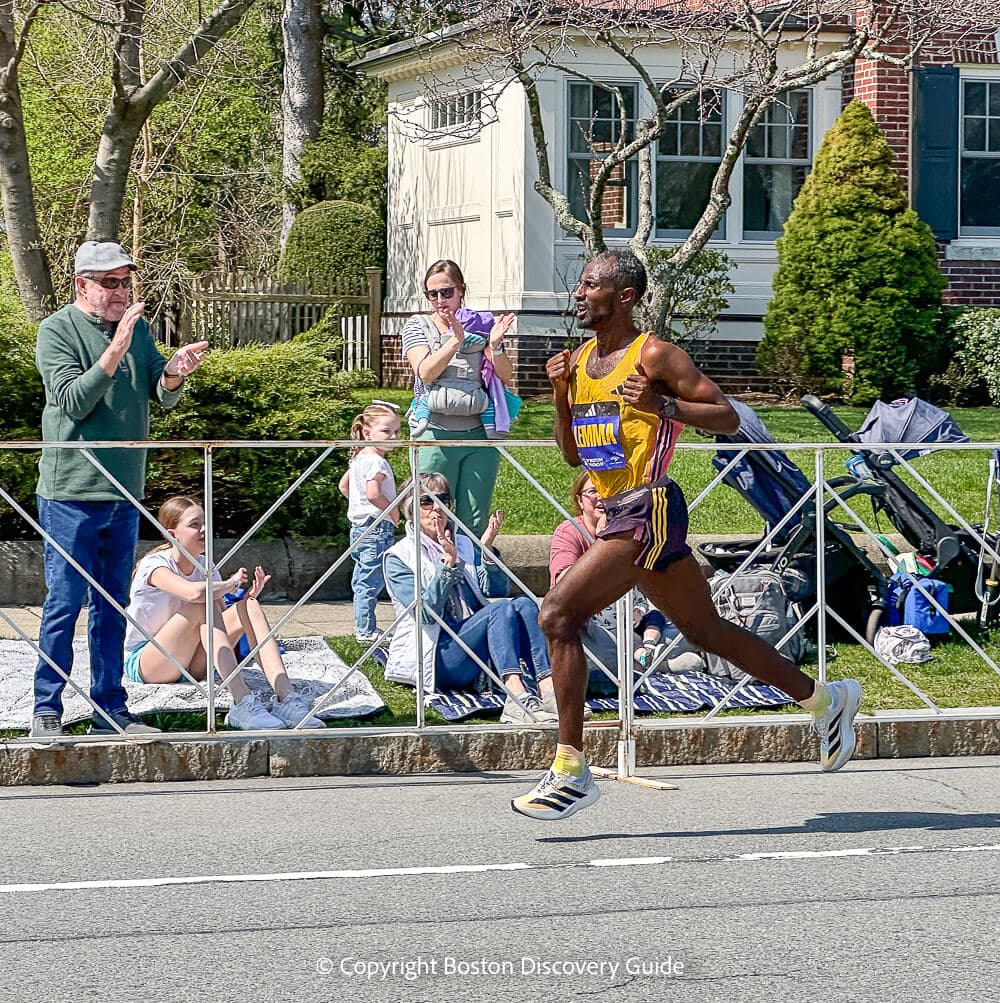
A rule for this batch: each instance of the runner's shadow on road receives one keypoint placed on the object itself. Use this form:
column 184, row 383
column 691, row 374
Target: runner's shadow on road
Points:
column 828, row 822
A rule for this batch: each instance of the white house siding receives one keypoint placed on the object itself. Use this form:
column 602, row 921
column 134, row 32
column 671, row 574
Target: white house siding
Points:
column 473, row 200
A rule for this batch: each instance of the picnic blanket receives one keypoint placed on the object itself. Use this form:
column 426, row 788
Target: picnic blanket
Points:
column 313, row 667
column 683, row 691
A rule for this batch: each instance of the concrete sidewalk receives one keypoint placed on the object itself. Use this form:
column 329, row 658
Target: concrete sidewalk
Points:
column 327, row 619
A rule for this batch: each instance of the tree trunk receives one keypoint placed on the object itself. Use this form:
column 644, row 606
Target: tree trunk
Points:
column 134, row 100
column 111, row 171
column 302, row 94
column 31, row 265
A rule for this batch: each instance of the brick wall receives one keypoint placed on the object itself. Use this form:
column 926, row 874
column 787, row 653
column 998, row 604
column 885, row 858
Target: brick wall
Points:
column 971, row 283
column 886, row 91
column 396, row 370
column 733, row 365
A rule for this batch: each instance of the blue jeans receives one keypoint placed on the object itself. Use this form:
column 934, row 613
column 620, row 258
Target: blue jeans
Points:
column 504, row 632
column 101, row 536
column 367, row 580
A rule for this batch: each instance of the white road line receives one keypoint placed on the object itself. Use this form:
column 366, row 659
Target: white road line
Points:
column 628, row 861
column 391, row 872
column 207, row 879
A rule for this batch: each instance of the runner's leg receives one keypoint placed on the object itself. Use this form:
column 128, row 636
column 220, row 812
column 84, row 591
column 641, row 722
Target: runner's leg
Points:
column 683, row 594
column 602, row 575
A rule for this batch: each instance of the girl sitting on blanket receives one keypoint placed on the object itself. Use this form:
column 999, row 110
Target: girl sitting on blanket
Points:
column 167, row 601
column 455, row 584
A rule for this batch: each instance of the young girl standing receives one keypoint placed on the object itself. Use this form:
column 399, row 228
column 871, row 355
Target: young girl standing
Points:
column 370, row 489
column 167, row 600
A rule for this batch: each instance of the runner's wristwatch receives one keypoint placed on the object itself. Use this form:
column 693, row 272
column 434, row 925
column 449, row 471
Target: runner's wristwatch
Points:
column 668, row 409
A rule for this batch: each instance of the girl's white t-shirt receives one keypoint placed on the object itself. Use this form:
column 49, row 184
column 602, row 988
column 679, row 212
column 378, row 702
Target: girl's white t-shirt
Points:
column 152, row 607
column 365, row 467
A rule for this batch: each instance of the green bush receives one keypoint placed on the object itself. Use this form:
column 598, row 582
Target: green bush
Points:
column 22, row 396
column 279, row 392
column 857, row 275
column 330, row 240
column 336, row 166
column 973, row 373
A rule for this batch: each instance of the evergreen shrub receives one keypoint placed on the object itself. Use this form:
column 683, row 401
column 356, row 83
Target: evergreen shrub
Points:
column 22, row 397
column 972, row 376
column 330, row 240
column 285, row 391
column 857, row 276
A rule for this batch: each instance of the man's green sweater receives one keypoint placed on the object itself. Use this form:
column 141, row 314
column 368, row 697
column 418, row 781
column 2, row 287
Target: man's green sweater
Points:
column 83, row 403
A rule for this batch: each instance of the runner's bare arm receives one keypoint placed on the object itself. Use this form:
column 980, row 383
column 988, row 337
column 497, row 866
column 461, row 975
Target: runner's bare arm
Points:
column 558, row 370
column 666, row 370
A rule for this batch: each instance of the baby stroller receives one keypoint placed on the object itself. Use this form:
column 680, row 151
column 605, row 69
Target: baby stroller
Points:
column 951, row 553
column 772, row 484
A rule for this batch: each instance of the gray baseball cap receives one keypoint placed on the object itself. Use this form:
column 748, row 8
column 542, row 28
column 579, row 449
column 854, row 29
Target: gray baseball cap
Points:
column 101, row 256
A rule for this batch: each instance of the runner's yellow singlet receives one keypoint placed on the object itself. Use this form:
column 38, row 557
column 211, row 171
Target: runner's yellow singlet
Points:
column 620, row 446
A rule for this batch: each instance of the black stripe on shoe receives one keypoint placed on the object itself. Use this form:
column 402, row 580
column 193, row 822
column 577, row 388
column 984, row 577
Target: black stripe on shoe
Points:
column 561, row 796
column 547, row 802
column 571, row 791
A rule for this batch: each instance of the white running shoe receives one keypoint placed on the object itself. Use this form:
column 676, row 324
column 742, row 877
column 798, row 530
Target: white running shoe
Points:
column 251, row 715
column 293, row 709
column 835, row 728
column 557, row 796
column 515, row 713
column 549, row 704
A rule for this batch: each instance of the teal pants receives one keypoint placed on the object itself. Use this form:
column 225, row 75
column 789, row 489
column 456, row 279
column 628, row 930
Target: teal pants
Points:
column 471, row 472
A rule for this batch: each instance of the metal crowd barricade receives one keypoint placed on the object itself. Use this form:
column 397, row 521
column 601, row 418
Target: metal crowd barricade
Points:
column 824, row 496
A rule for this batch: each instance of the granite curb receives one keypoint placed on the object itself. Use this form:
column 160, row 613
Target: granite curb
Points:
column 485, row 750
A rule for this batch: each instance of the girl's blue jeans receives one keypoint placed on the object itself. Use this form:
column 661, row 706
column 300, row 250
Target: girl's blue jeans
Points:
column 367, row 580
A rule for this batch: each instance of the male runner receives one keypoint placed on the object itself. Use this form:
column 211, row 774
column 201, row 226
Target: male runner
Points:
column 621, row 401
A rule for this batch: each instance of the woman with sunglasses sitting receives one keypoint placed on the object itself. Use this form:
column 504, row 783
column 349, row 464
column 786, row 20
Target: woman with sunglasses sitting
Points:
column 447, row 359
column 456, row 582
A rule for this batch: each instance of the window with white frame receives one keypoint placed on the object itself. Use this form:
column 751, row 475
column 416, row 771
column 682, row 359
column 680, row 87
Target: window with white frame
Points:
column 595, row 127
column 776, row 161
column 979, row 169
column 460, row 113
column 687, row 157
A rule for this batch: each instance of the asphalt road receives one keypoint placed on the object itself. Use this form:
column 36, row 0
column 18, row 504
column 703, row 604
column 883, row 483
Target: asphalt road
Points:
column 764, row 883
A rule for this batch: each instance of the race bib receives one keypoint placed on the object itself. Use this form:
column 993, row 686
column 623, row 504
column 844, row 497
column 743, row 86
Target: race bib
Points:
column 596, row 431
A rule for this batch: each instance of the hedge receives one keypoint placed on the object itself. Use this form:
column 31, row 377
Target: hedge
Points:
column 330, row 240
column 280, row 392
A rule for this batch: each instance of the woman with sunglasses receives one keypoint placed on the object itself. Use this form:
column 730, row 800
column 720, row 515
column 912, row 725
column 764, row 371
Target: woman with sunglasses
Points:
column 456, row 583
column 447, row 369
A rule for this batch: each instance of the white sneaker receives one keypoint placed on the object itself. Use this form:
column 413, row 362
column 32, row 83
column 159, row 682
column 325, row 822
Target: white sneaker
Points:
column 251, row 715
column 835, row 728
column 514, row 713
column 557, row 796
column 293, row 709
column 549, row 704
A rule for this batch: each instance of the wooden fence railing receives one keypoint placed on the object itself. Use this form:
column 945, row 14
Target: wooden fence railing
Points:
column 237, row 308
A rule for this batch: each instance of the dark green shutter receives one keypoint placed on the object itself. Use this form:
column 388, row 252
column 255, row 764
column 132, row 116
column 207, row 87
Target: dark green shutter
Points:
column 935, row 149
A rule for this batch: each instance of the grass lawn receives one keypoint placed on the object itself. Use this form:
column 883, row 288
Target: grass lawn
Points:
column 960, row 477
